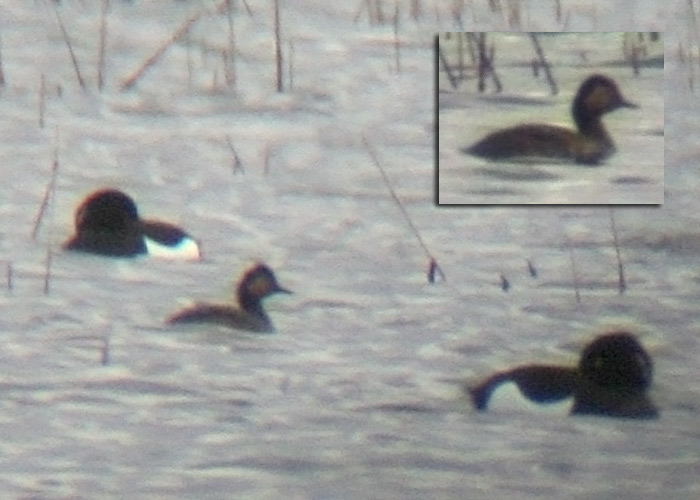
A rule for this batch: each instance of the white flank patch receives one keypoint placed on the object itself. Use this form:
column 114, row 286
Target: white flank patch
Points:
column 507, row 398
column 186, row 249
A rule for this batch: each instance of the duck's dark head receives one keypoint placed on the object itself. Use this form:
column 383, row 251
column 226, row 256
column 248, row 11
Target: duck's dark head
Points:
column 259, row 281
column 107, row 223
column 617, row 360
column 106, row 210
column 597, row 95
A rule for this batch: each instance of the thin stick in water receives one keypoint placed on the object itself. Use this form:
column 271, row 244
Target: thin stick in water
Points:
column 290, row 66
column 105, row 350
column 48, row 194
column 358, row 13
column 158, row 54
column 2, row 73
column 434, row 266
column 445, row 64
column 268, row 156
column 247, row 8
column 10, row 273
column 278, row 47
column 505, row 284
column 101, row 50
column 574, row 272
column 416, row 10
column 42, row 101
column 73, row 59
column 397, row 45
column 621, row 282
column 531, row 269
column 379, row 12
column 231, row 52
column 237, row 163
column 434, row 272
column 544, row 63
column 47, row 272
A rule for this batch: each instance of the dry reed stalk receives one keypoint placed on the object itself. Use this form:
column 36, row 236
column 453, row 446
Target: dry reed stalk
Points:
column 621, row 282
column 48, row 194
column 247, row 8
column 514, row 15
column 557, row 11
column 436, row 9
column 42, row 101
column 237, row 163
column 183, row 30
column 434, row 267
column 457, row 12
column 574, row 271
column 460, row 55
column 231, row 52
column 544, row 63
column 434, row 272
column 105, row 350
column 379, row 12
column 358, row 13
column 416, row 10
column 268, row 156
column 445, row 65
column 531, row 269
column 188, row 60
column 47, row 271
column 69, row 45
column 486, row 58
column 505, row 284
column 101, row 50
column 278, row 47
column 10, row 273
column 290, row 66
column 397, row 47
column 375, row 13
column 2, row 73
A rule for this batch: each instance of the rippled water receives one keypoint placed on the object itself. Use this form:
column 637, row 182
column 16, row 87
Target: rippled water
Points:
column 360, row 393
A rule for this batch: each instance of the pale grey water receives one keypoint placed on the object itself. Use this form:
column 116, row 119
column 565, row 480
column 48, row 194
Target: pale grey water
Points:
column 359, row 394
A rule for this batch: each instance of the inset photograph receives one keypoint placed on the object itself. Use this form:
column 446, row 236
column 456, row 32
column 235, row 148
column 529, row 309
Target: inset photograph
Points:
column 550, row 118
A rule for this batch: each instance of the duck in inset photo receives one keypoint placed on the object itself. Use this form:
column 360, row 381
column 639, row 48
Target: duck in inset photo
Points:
column 612, row 380
column 589, row 144
column 107, row 223
column 257, row 283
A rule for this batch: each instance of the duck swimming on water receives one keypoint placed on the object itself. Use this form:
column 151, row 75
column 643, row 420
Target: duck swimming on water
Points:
column 612, row 378
column 107, row 223
column 589, row 144
column 257, row 283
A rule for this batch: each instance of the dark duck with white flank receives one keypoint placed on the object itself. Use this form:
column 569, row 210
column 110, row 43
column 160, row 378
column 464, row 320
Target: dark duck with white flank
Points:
column 612, row 379
column 107, row 223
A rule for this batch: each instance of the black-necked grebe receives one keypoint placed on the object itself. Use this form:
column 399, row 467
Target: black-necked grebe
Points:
column 257, row 283
column 107, row 223
column 612, row 379
column 589, row 144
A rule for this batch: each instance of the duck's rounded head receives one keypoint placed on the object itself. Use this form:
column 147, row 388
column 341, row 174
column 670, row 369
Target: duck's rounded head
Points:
column 617, row 360
column 106, row 210
column 259, row 281
column 598, row 95
column 107, row 223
